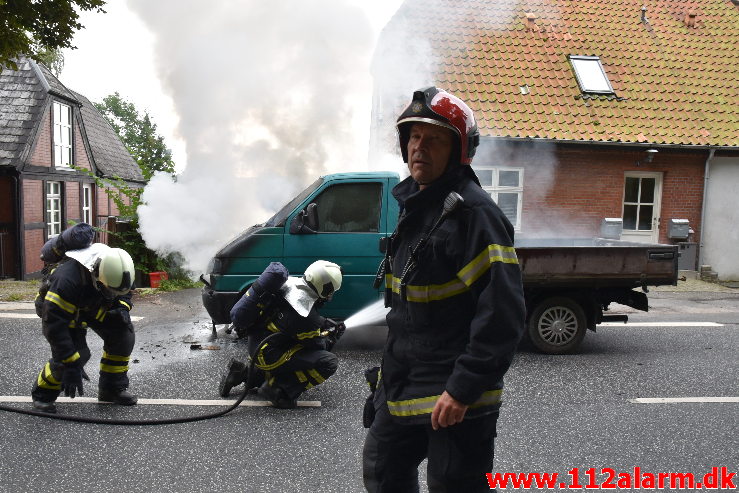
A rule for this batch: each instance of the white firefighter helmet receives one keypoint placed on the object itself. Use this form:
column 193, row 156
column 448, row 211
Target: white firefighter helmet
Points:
column 324, row 278
column 114, row 270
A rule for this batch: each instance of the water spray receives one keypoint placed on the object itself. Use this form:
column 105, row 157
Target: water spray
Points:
column 373, row 314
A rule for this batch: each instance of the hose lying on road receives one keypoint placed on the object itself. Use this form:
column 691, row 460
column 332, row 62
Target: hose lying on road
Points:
column 142, row 422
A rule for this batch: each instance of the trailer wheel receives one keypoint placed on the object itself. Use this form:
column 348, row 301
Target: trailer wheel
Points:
column 557, row 325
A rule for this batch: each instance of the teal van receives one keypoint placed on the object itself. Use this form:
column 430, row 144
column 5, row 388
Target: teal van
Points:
column 339, row 217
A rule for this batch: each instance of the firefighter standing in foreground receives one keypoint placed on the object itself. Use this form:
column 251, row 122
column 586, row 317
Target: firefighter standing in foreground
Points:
column 90, row 289
column 298, row 354
column 457, row 311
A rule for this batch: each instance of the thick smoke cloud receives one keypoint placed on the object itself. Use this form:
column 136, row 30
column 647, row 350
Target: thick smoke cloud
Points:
column 270, row 95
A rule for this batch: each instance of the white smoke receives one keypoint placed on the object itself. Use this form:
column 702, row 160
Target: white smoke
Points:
column 270, row 95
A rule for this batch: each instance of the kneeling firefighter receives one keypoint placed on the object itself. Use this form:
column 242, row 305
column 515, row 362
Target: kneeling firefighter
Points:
column 297, row 355
column 88, row 288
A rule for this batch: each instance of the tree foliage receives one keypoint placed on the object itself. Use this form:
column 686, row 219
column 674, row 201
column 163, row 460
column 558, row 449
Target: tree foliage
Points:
column 29, row 27
column 53, row 59
column 139, row 134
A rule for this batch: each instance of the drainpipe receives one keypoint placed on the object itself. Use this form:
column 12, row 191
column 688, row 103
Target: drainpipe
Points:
column 706, row 172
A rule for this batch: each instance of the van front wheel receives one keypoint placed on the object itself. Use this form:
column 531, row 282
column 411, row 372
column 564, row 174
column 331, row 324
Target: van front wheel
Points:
column 557, row 325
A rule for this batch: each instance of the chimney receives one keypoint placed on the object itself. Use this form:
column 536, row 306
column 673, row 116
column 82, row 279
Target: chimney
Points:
column 644, row 14
column 531, row 21
column 690, row 19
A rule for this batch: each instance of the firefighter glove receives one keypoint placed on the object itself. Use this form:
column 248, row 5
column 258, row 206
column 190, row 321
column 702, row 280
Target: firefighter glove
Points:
column 72, row 379
column 119, row 316
column 335, row 329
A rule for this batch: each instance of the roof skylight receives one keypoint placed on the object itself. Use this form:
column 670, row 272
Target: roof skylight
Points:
column 590, row 74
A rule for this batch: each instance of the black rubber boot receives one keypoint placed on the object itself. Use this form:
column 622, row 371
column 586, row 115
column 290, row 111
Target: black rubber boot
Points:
column 235, row 375
column 43, row 406
column 117, row 396
column 277, row 397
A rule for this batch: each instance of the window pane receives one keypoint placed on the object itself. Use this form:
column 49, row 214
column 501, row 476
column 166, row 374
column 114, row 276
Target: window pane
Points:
column 645, row 218
column 485, row 176
column 631, row 191
column 647, row 190
column 591, row 75
column 630, row 216
column 351, row 208
column 508, row 178
column 508, row 203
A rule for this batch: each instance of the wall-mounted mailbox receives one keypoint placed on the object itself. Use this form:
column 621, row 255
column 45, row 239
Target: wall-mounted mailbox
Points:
column 679, row 229
column 611, row 228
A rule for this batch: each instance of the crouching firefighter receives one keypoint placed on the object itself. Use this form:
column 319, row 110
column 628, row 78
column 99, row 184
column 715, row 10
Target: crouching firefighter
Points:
column 288, row 340
column 89, row 288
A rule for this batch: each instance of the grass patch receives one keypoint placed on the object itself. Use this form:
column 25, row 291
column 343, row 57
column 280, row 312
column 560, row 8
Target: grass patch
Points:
column 18, row 290
column 178, row 284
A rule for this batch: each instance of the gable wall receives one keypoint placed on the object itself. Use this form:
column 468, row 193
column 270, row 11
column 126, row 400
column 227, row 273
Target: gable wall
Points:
column 42, row 147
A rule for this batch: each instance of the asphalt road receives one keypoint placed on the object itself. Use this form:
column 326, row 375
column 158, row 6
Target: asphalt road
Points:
column 560, row 412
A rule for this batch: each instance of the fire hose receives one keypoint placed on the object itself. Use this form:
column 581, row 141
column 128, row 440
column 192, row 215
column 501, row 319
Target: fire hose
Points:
column 145, row 422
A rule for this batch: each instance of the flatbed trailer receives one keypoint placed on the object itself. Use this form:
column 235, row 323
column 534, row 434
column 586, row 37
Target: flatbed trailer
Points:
column 569, row 284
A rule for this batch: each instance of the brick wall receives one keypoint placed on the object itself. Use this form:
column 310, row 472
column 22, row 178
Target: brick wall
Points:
column 80, row 153
column 72, row 203
column 41, row 152
column 569, row 191
column 33, row 201
column 33, row 241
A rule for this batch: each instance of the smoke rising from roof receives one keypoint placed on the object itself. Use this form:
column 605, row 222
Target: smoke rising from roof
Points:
column 270, row 95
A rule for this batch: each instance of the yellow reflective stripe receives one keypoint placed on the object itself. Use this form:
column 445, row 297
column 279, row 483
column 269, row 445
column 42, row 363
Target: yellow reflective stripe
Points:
column 114, row 357
column 72, row 358
column 263, row 365
column 425, row 405
column 100, row 316
column 46, row 380
column 128, row 307
column 309, row 335
column 60, row 302
column 272, row 327
column 316, row 376
column 113, row 368
column 480, row 264
column 301, row 376
column 431, row 292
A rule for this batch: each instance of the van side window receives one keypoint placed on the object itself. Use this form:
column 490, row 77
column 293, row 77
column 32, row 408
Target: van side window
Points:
column 350, row 208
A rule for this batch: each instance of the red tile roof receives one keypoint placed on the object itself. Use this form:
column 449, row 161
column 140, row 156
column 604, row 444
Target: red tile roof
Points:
column 674, row 84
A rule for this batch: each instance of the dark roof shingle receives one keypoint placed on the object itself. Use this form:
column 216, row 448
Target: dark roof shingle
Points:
column 21, row 102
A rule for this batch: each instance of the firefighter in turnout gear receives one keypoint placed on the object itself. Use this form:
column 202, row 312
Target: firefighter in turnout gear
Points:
column 454, row 287
column 89, row 289
column 299, row 357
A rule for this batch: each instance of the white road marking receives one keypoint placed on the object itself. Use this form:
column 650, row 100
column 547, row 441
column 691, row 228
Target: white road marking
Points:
column 681, row 400
column 660, row 324
column 33, row 315
column 161, row 402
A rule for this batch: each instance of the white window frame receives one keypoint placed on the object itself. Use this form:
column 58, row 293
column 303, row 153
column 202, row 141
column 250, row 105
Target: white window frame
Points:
column 87, row 203
column 496, row 188
column 62, row 135
column 591, row 77
column 53, row 208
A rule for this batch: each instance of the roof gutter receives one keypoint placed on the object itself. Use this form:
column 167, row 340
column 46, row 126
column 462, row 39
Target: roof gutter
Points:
column 706, row 176
column 613, row 143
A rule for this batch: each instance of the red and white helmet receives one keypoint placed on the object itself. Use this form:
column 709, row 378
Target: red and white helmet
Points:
column 438, row 107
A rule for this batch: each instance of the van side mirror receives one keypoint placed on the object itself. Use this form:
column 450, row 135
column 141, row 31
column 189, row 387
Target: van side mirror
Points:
column 305, row 221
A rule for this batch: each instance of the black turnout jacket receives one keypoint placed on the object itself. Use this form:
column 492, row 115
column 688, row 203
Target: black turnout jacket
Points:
column 457, row 320
column 73, row 303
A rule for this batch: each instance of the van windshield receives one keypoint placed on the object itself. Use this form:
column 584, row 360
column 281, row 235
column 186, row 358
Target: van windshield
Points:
column 279, row 218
